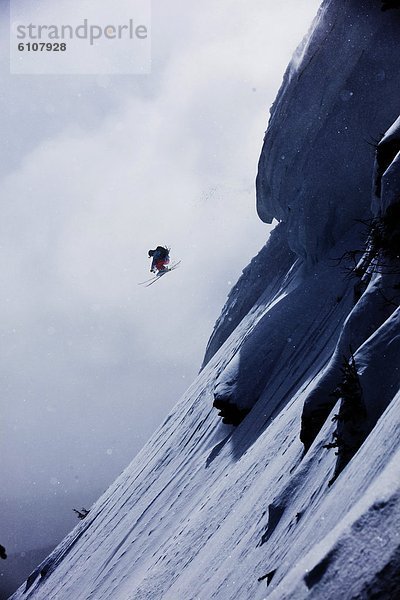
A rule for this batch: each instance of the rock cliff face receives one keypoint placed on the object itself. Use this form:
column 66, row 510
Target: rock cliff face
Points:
column 301, row 498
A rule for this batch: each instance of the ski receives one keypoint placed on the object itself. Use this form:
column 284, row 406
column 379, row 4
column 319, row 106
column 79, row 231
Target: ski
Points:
column 156, row 278
column 149, row 282
column 159, row 275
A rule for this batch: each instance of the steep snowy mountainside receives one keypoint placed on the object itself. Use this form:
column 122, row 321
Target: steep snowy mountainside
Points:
column 295, row 329
column 307, row 349
column 369, row 340
column 386, row 177
column 316, row 164
column 362, row 550
column 316, row 154
column 263, row 276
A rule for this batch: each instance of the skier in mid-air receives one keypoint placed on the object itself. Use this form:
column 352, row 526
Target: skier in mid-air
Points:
column 160, row 260
column 160, row 265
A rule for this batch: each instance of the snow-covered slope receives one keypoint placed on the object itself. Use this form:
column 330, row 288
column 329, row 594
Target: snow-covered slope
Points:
column 307, row 348
column 316, row 154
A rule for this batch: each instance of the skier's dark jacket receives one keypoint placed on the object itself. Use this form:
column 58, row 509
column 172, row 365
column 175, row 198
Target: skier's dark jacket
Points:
column 159, row 252
column 160, row 258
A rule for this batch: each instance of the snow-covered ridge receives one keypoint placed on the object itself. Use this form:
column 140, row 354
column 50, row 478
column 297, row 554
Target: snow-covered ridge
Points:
column 316, row 153
column 308, row 346
column 262, row 277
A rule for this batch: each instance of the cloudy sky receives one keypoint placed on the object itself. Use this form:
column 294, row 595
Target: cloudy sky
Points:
column 94, row 171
